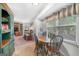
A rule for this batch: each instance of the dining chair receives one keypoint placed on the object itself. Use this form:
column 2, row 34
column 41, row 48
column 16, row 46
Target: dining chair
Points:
column 55, row 44
column 39, row 47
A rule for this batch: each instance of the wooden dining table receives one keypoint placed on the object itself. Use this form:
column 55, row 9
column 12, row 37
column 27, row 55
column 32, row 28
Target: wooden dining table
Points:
column 44, row 39
column 45, row 42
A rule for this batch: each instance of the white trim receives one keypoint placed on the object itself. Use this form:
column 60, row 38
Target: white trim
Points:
column 70, row 41
column 45, row 10
column 74, row 24
column 62, row 53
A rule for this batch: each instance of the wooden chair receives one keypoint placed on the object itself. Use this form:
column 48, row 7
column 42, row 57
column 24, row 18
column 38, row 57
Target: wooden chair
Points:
column 55, row 45
column 39, row 47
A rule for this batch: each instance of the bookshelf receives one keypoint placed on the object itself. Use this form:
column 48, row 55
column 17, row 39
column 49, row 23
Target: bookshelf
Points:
column 18, row 29
column 6, row 30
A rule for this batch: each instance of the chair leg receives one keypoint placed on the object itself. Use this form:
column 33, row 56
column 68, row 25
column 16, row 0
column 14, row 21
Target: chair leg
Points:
column 36, row 51
column 58, row 53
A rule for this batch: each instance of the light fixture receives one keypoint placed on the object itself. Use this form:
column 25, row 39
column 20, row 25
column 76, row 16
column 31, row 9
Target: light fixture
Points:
column 35, row 4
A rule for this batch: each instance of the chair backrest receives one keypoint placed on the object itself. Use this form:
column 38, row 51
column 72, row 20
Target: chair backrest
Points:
column 35, row 38
column 51, row 36
column 56, row 42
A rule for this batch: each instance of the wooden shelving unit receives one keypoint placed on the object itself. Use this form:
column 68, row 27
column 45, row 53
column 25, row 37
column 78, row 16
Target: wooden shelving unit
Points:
column 6, row 30
column 18, row 29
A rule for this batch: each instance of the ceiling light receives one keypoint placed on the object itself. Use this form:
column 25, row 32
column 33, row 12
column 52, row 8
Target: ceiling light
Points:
column 35, row 4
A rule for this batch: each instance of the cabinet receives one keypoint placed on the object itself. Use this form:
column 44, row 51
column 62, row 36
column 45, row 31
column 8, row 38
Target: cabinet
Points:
column 6, row 30
column 18, row 29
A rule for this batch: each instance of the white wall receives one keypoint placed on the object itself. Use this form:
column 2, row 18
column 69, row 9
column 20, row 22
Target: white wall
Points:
column 68, row 49
column 37, row 25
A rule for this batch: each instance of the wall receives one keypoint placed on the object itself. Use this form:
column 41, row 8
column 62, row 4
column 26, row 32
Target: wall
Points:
column 37, row 25
column 68, row 49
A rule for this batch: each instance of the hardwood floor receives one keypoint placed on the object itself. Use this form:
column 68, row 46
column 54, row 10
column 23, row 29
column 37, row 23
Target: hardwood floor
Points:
column 23, row 47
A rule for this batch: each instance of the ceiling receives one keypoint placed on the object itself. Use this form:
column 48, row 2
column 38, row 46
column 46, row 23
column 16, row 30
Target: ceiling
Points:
column 51, row 8
column 26, row 12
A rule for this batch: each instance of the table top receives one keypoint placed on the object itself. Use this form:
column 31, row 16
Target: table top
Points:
column 44, row 39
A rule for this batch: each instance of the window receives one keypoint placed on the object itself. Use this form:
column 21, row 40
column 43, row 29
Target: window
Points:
column 61, row 13
column 58, row 14
column 68, row 32
column 64, row 12
column 69, row 10
column 74, row 8
column 54, row 16
column 77, row 8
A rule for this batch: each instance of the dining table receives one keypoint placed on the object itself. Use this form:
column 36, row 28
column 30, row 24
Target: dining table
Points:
column 45, row 42
column 44, row 39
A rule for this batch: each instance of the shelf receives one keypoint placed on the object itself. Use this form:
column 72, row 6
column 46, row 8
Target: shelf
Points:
column 4, row 43
column 5, row 20
column 5, row 31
